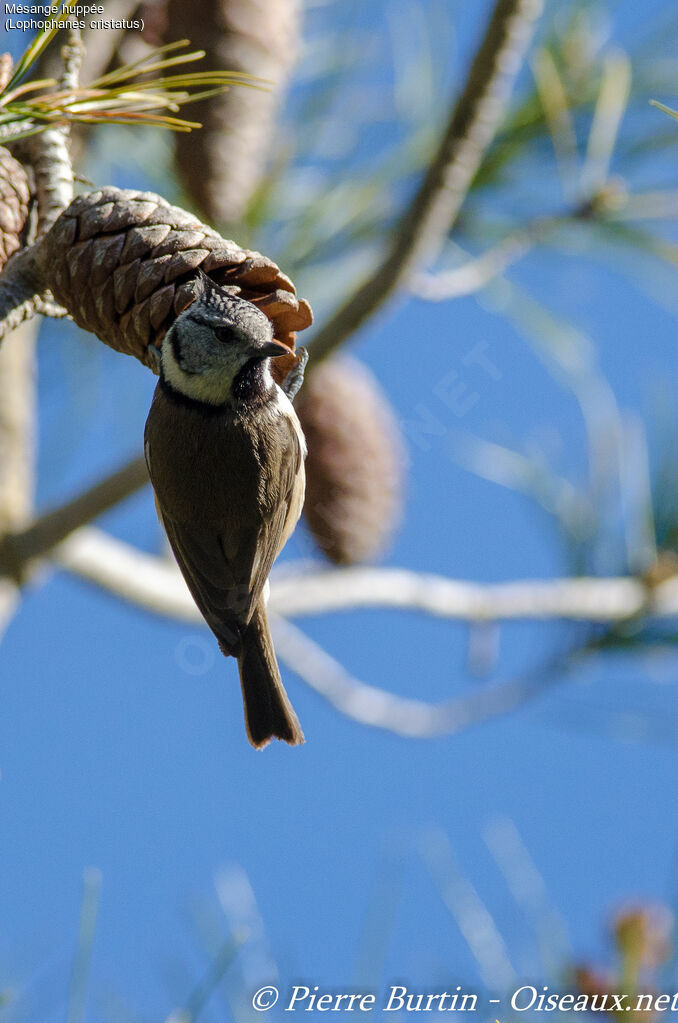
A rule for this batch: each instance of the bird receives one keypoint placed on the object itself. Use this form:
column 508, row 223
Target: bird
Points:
column 225, row 454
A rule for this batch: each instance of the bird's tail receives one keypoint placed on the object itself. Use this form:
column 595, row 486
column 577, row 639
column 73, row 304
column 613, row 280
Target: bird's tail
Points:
column 268, row 711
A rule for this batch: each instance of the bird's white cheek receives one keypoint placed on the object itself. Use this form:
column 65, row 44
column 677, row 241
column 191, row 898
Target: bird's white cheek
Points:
column 211, row 385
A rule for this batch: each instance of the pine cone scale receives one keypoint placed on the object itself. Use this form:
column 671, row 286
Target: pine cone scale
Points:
column 124, row 283
column 139, row 240
column 183, row 262
column 94, row 222
column 151, row 276
column 105, row 302
column 161, row 306
column 14, row 200
column 106, row 258
column 182, row 240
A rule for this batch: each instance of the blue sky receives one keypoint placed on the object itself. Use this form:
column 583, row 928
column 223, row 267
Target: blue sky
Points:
column 113, row 757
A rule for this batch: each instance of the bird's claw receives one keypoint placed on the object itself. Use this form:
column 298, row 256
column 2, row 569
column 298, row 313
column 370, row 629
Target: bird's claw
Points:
column 155, row 358
column 295, row 377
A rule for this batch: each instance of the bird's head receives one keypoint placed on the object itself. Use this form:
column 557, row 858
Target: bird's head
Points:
column 212, row 341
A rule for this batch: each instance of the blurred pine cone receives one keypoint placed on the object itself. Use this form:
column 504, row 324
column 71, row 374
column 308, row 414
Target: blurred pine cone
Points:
column 123, row 265
column 221, row 166
column 354, row 489
column 14, row 198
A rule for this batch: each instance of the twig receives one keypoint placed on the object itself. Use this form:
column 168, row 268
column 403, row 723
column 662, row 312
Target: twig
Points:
column 476, row 923
column 49, row 151
column 554, row 100
column 155, row 584
column 17, row 415
column 18, row 549
column 50, row 160
column 574, row 599
column 22, row 290
column 146, row 580
column 91, row 886
column 10, row 599
column 412, row 719
column 476, row 273
column 607, row 117
column 530, row 892
column 17, row 427
column 100, row 47
column 474, row 121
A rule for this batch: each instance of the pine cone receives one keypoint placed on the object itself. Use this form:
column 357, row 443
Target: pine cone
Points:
column 354, row 464
column 14, row 197
column 221, row 165
column 123, row 265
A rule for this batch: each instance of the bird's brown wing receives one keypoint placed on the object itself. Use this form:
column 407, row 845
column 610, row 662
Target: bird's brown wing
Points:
column 226, row 568
column 288, row 499
column 212, row 580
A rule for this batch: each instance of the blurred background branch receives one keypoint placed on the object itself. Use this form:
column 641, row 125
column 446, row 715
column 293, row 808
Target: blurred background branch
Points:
column 156, row 585
column 475, row 118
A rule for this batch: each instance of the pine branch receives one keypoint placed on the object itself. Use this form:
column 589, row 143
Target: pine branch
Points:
column 23, row 292
column 584, row 599
column 156, row 584
column 476, row 273
column 49, row 152
column 19, row 549
column 411, row 719
column 17, row 439
column 475, row 119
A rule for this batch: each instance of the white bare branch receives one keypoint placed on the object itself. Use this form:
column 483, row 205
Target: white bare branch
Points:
column 155, row 583
column 412, row 719
column 17, row 445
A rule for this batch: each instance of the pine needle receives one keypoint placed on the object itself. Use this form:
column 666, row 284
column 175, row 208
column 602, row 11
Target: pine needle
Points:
column 137, row 93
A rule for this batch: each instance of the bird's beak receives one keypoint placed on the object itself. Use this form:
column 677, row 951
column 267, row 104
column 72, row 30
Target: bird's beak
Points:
column 271, row 349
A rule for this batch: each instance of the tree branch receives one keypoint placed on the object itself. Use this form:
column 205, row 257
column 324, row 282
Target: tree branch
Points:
column 412, row 719
column 146, row 580
column 22, row 290
column 156, row 584
column 476, row 273
column 473, row 124
column 574, row 599
column 19, row 549
column 49, row 151
column 17, row 442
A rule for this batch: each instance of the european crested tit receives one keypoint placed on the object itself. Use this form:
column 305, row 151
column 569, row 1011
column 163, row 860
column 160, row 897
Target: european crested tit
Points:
column 225, row 454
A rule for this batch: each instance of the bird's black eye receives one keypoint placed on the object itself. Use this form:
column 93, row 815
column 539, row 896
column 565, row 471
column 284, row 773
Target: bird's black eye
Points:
column 224, row 334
